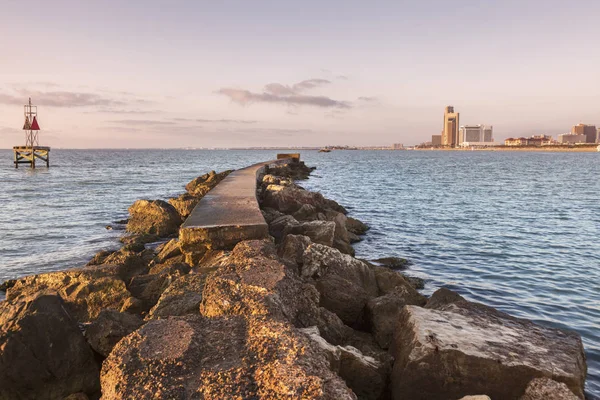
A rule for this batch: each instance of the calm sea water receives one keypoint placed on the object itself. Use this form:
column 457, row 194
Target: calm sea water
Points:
column 517, row 231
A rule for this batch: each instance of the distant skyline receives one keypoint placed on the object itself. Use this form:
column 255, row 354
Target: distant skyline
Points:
column 156, row 74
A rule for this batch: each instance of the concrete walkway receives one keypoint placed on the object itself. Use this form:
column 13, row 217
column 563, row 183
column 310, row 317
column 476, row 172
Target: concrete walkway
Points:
column 229, row 213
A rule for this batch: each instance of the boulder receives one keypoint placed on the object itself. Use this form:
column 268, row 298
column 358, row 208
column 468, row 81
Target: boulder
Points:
column 203, row 184
column 150, row 287
column 270, row 214
column 254, row 281
column 279, row 225
column 43, row 354
column 322, row 232
column 184, row 204
column 547, row 389
column 168, row 250
column 318, row 261
column 99, row 257
column 366, row 376
column 390, row 281
column 182, row 297
column 271, row 179
column 86, row 291
column 464, row 348
column 345, row 283
column 476, row 397
column 109, row 328
column 355, row 226
column 292, row 248
column 229, row 357
column 289, row 199
column 130, row 263
column 77, row 396
column 442, row 297
column 382, row 315
column 154, row 217
column 307, row 212
column 341, row 239
column 393, row 262
column 353, row 238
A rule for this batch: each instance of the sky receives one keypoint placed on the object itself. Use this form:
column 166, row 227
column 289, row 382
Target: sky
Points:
column 176, row 74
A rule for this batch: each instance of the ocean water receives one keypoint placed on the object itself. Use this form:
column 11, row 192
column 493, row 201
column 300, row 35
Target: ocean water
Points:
column 517, row 231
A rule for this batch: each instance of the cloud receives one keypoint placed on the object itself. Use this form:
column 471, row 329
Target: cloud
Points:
column 368, row 99
column 245, row 97
column 58, row 99
column 217, row 121
column 276, row 93
column 145, row 122
column 121, row 111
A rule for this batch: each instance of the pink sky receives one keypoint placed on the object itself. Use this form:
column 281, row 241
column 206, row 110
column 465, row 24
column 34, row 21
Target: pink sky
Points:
column 237, row 73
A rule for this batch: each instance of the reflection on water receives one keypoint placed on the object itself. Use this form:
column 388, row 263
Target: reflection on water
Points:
column 517, row 231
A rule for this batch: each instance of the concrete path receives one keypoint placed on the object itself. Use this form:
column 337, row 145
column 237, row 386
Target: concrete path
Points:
column 229, row 213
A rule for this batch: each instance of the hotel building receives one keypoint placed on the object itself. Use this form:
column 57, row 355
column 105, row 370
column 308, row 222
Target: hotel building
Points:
column 451, row 124
column 588, row 130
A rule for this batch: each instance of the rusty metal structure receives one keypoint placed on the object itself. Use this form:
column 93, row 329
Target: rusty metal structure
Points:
column 32, row 150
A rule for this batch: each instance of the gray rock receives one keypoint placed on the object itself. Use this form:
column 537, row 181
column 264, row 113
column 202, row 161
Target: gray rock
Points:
column 322, row 232
column 229, row 357
column 355, row 226
column 182, row 297
column 279, row 225
column 464, row 348
column 109, row 328
column 43, row 355
column 382, row 314
column 547, row 389
column 153, row 217
column 365, row 375
column 443, row 297
column 292, row 248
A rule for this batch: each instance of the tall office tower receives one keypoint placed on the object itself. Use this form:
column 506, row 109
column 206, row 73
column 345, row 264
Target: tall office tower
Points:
column 450, row 132
column 588, row 130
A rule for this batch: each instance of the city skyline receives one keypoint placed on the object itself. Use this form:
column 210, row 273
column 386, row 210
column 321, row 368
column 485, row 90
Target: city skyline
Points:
column 183, row 74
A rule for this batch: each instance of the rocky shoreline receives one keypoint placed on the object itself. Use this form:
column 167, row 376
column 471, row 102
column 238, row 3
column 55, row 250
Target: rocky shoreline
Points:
column 292, row 316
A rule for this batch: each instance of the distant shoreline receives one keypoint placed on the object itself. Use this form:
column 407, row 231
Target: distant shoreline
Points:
column 552, row 149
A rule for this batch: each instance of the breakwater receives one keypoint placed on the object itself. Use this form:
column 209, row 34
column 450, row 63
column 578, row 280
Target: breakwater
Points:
column 299, row 317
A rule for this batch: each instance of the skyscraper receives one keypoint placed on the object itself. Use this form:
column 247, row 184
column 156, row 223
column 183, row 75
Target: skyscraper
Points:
column 450, row 132
column 588, row 130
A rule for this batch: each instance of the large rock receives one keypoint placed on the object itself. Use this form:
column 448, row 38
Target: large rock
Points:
column 168, row 250
column 254, row 281
column 464, row 348
column 86, row 291
column 390, row 281
column 382, row 315
column 289, row 199
column 153, row 217
column 184, row 204
column 365, row 375
column 182, row 297
column 345, row 283
column 203, row 184
column 322, row 232
column 43, row 354
column 547, row 389
column 281, row 224
column 231, row 357
column 109, row 328
column 355, row 226
column 292, row 248
column 150, row 287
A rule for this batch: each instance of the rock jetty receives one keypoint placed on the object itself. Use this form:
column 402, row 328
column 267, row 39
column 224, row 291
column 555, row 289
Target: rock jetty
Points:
column 271, row 306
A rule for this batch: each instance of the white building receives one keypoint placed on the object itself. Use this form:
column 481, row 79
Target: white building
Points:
column 571, row 138
column 475, row 134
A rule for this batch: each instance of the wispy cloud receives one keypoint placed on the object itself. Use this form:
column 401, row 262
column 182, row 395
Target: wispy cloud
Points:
column 59, row 99
column 216, row 121
column 368, row 99
column 277, row 93
column 121, row 111
column 138, row 122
